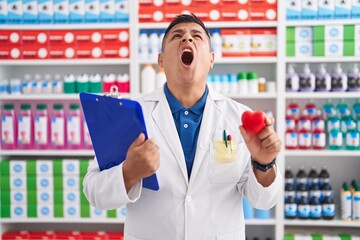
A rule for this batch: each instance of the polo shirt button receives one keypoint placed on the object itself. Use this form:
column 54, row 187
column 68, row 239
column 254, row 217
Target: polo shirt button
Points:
column 185, row 125
column 186, row 113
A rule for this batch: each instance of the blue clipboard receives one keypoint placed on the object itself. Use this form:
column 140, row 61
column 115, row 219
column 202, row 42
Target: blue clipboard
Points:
column 113, row 125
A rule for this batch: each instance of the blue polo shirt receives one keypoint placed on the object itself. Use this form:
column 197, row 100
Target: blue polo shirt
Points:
column 187, row 122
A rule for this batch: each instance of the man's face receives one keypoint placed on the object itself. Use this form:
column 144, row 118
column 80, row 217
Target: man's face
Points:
column 186, row 55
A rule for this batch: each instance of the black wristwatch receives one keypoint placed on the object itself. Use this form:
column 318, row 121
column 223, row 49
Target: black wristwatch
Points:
column 262, row 167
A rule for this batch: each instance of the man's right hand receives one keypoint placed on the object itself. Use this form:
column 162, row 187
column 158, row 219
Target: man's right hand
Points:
column 142, row 160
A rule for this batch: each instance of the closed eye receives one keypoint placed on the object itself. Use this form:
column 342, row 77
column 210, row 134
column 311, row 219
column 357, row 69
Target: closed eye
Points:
column 198, row 36
column 176, row 36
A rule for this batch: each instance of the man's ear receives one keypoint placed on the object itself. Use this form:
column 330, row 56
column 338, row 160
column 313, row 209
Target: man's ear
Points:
column 160, row 59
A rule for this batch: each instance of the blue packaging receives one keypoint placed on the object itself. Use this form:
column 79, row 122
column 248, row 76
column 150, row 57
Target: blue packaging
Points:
column 342, row 9
column 309, row 9
column 262, row 214
column 107, row 10
column 30, row 11
column 355, row 9
column 61, row 11
column 122, row 10
column 326, row 9
column 3, row 11
column 77, row 11
column 92, row 10
column 248, row 209
column 293, row 9
column 14, row 11
column 45, row 11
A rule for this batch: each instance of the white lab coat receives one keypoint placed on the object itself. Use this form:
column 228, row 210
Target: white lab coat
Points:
column 209, row 205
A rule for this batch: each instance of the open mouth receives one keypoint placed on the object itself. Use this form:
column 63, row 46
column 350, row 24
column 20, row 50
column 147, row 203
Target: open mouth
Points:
column 187, row 57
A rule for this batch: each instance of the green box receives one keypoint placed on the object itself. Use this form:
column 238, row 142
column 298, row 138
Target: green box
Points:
column 349, row 32
column 319, row 49
column 31, row 167
column 5, row 197
column 32, row 211
column 111, row 213
column 317, row 237
column 318, row 33
column 31, row 183
column 57, row 167
column 290, row 34
column 290, row 49
column 5, row 167
column 349, row 48
column 289, row 236
column 32, row 197
column 5, row 211
column 4, row 182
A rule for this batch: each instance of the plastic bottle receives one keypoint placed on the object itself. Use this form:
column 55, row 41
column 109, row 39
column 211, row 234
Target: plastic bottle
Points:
column 326, row 190
column 57, row 127
column 291, row 139
column 253, row 83
column 108, row 81
column 295, row 109
column 74, row 128
column 58, row 84
column 333, row 122
column 243, row 84
column 335, row 139
column 356, row 113
column 352, row 138
column 217, row 82
column 307, row 80
column 338, row 80
column 303, row 208
column 311, row 108
column 347, row 122
column 225, row 86
column 355, row 201
column 292, row 79
column 313, row 177
column 41, row 127
column 123, row 82
column 324, row 176
column 26, row 86
column 345, row 203
column 289, row 175
column 69, row 84
column 315, row 192
column 318, row 139
column 318, row 121
column 301, row 177
column 290, row 208
column 143, row 45
column 328, row 207
column 305, row 137
column 328, row 109
column 290, row 121
column 82, row 83
column 25, row 128
column 233, row 82
column 161, row 38
column 148, row 78
column 354, row 79
column 315, row 209
column 305, row 120
column 8, row 127
column 46, row 86
column 322, row 80
column 216, row 43
column 262, row 84
column 95, row 85
column 87, row 139
column 290, row 190
column 154, row 45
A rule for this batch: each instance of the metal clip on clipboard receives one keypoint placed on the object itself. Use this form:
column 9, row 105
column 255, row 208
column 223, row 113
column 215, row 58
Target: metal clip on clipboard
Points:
column 113, row 92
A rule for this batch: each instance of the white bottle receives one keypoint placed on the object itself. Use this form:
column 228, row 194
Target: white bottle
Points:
column 161, row 38
column 292, row 79
column 307, row 79
column 160, row 77
column 354, row 79
column 216, row 43
column 322, row 80
column 148, row 78
column 143, row 45
column 154, row 44
column 338, row 80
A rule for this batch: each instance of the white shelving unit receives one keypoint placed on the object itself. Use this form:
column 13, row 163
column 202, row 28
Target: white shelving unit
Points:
column 274, row 101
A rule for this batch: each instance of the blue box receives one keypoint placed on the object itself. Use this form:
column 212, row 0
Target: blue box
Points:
column 309, row 9
column 77, row 11
column 30, row 11
column 293, row 9
column 326, row 9
column 45, row 11
column 355, row 10
column 3, row 11
column 92, row 10
column 107, row 10
column 248, row 209
column 121, row 10
column 14, row 11
column 342, row 9
column 61, row 11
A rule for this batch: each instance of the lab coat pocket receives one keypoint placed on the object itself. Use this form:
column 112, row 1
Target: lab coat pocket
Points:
column 225, row 165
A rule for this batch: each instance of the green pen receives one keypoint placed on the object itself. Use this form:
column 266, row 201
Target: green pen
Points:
column 225, row 138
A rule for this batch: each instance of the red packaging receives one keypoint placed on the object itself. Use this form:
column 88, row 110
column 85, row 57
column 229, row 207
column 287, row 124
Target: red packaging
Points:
column 64, row 37
column 115, row 36
column 19, row 235
column 85, row 51
column 34, row 52
column 94, row 235
column 39, row 38
column 42, row 235
column 207, row 13
column 263, row 3
column 263, row 13
column 263, row 42
column 116, row 51
column 10, row 38
column 151, row 14
column 88, row 37
column 115, row 236
column 235, row 13
column 10, row 52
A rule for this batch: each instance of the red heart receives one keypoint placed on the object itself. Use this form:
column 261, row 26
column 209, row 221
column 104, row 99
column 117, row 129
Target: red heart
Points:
column 253, row 122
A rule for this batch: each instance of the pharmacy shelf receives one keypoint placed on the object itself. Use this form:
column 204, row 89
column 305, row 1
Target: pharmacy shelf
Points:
column 322, row 223
column 229, row 60
column 32, row 62
column 322, row 95
column 82, row 26
column 322, row 153
column 31, row 97
column 264, row 95
column 269, row 222
column 301, row 23
column 237, row 24
column 60, row 152
column 321, row 59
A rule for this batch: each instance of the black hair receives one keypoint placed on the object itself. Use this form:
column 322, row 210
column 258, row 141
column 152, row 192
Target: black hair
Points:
column 186, row 18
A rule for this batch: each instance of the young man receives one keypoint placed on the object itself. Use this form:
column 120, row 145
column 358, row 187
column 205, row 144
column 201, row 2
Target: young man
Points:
column 202, row 181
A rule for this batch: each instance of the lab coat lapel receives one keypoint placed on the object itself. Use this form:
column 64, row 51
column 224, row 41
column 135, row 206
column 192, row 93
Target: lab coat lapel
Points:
column 168, row 129
column 208, row 125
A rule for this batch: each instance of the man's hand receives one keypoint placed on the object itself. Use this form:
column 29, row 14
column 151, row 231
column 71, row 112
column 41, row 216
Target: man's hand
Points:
column 142, row 160
column 265, row 146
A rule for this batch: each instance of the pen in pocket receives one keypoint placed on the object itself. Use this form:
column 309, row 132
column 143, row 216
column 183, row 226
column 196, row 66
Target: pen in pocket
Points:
column 225, row 139
column 229, row 139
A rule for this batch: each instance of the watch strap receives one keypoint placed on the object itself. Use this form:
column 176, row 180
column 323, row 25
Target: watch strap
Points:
column 262, row 167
